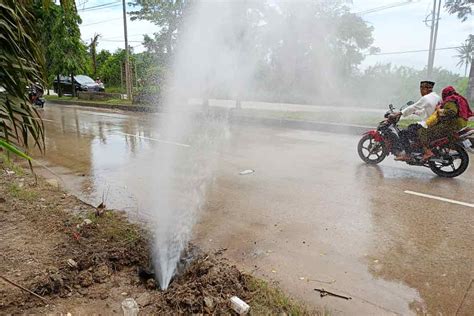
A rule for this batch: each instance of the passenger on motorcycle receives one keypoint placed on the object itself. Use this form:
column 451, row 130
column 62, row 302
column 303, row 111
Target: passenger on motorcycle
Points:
column 424, row 108
column 451, row 116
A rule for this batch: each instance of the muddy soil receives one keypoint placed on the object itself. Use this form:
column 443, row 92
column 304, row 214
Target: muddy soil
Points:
column 83, row 261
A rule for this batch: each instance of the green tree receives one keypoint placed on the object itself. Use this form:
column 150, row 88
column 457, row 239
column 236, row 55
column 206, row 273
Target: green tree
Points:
column 67, row 51
column 465, row 53
column 20, row 66
column 168, row 15
column 311, row 48
column 463, row 9
column 46, row 13
column 383, row 83
column 110, row 70
column 93, row 53
column 102, row 56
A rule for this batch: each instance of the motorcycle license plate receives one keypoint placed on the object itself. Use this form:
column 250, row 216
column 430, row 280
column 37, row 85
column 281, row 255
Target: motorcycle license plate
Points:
column 467, row 143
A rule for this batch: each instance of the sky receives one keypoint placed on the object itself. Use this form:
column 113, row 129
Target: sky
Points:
column 400, row 28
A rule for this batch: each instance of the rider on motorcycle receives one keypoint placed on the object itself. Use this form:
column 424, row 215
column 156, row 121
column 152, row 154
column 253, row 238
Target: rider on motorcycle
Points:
column 424, row 108
column 451, row 116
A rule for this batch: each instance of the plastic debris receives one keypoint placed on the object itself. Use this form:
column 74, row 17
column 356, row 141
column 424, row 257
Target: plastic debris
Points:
column 72, row 263
column 87, row 222
column 248, row 171
column 129, row 307
column 239, row 306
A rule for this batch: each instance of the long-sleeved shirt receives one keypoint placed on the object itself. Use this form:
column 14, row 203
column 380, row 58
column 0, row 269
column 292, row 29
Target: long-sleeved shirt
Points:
column 424, row 107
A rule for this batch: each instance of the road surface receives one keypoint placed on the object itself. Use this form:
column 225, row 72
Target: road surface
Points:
column 312, row 215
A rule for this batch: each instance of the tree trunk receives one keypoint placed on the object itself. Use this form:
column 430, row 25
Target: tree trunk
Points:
column 60, row 90
column 94, row 62
column 73, row 85
column 470, row 85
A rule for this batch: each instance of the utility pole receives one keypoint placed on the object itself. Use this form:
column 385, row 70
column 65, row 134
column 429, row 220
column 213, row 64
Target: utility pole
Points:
column 128, row 83
column 433, row 36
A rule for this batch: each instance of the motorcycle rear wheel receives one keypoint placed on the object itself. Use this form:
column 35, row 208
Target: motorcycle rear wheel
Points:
column 459, row 154
column 371, row 151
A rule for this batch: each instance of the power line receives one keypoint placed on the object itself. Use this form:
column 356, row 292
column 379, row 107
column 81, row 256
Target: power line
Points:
column 118, row 41
column 101, row 6
column 412, row 51
column 99, row 22
column 384, row 7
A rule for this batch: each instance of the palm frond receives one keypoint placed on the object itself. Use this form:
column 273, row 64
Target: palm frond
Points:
column 20, row 64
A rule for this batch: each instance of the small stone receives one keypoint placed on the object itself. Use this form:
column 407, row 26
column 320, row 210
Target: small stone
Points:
column 87, row 222
column 72, row 263
column 209, row 302
column 42, row 199
column 53, row 183
column 124, row 293
column 151, row 284
column 83, row 291
column 144, row 299
column 101, row 273
column 85, row 279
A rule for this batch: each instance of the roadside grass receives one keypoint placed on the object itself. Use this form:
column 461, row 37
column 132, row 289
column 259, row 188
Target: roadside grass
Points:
column 22, row 193
column 358, row 118
column 268, row 300
column 10, row 164
column 76, row 100
column 114, row 227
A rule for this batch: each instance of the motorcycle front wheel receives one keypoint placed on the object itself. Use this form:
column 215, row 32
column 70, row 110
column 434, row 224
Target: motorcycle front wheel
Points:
column 456, row 161
column 371, row 151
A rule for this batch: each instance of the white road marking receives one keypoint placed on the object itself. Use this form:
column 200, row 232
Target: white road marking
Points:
column 156, row 140
column 440, row 198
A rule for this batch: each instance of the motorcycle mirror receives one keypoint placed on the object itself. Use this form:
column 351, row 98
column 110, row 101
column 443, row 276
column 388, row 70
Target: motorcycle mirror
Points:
column 410, row 102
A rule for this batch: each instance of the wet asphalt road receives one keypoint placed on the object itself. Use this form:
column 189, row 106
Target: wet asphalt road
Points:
column 311, row 216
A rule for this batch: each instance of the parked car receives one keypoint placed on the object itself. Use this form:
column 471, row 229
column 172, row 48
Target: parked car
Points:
column 82, row 83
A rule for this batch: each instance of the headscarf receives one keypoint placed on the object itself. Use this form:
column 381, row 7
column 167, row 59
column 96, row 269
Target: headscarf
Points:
column 449, row 94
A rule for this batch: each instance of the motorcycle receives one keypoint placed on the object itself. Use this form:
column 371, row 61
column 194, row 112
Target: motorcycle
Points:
column 450, row 153
column 35, row 95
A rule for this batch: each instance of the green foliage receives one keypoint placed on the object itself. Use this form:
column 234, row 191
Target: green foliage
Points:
column 22, row 193
column 109, row 69
column 20, row 64
column 463, row 8
column 465, row 53
column 66, row 52
column 270, row 300
column 382, row 84
column 297, row 62
column 168, row 15
column 461, row 86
